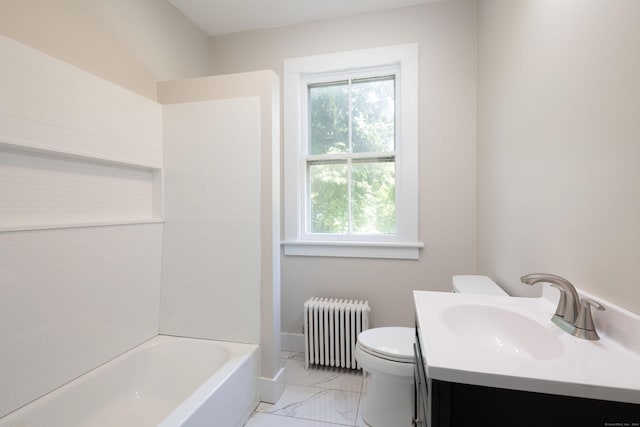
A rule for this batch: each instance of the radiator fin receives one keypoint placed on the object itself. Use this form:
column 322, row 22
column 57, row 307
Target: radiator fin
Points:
column 331, row 328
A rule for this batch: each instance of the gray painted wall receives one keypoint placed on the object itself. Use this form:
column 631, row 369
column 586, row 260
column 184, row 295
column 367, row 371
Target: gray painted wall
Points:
column 134, row 44
column 446, row 33
column 559, row 144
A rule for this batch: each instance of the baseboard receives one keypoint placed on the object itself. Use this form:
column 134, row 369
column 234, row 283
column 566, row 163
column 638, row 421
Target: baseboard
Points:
column 272, row 388
column 292, row 342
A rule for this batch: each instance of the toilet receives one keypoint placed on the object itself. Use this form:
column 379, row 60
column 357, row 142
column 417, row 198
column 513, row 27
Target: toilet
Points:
column 470, row 284
column 387, row 355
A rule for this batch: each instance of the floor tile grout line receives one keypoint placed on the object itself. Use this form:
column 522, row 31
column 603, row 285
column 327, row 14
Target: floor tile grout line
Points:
column 301, row 418
column 315, row 421
column 358, row 409
column 323, row 388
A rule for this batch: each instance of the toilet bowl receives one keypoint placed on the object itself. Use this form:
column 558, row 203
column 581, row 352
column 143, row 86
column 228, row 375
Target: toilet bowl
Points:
column 387, row 355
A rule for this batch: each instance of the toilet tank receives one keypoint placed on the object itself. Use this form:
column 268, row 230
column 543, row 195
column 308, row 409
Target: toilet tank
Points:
column 472, row 284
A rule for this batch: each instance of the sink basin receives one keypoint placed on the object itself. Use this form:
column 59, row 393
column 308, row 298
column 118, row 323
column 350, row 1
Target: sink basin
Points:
column 503, row 331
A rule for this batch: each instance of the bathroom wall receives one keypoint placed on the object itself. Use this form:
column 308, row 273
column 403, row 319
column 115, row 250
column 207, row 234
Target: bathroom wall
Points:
column 131, row 43
column 211, row 259
column 446, row 33
column 559, row 144
column 221, row 267
column 73, row 297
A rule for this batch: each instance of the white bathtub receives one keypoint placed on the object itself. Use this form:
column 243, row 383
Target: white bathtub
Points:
column 167, row 382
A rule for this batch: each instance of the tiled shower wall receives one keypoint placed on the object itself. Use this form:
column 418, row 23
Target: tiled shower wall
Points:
column 44, row 100
column 72, row 298
column 212, row 258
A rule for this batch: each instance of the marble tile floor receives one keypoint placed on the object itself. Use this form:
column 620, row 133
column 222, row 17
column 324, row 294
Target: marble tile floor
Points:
column 318, row 397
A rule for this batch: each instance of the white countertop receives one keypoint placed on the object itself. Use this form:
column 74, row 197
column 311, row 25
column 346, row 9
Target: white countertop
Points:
column 606, row 369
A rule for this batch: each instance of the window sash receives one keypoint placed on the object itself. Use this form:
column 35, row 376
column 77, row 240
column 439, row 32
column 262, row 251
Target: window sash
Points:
column 349, row 162
column 348, row 157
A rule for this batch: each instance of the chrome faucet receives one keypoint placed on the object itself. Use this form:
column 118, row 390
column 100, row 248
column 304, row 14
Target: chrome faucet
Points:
column 569, row 299
column 572, row 315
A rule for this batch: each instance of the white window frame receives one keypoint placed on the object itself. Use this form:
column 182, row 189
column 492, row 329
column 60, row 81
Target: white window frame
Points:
column 298, row 73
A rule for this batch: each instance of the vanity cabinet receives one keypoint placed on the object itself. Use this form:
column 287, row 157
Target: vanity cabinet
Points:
column 448, row 404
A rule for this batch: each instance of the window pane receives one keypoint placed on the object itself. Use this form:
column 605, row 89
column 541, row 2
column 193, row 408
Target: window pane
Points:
column 329, row 211
column 373, row 115
column 329, row 118
column 373, row 189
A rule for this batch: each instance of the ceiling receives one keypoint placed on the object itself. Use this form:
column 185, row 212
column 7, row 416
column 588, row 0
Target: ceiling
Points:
column 216, row 17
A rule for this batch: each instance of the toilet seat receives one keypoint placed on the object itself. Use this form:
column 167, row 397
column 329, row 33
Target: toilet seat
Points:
column 391, row 343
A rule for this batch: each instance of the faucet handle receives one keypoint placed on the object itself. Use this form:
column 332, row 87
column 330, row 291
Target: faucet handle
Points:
column 585, row 327
column 562, row 302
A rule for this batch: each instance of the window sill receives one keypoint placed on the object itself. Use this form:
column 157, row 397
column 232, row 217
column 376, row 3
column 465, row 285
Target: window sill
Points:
column 384, row 250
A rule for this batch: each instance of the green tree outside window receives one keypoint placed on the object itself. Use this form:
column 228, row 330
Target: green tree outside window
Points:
column 351, row 157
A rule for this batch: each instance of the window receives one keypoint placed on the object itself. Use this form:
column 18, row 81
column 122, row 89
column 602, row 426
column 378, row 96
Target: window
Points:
column 351, row 154
column 350, row 157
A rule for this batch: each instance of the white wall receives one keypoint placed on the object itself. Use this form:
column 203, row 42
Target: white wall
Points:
column 71, row 298
column 446, row 33
column 559, row 144
column 132, row 43
column 227, row 91
column 211, row 260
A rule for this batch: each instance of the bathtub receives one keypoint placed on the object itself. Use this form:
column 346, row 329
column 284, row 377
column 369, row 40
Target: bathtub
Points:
column 166, row 381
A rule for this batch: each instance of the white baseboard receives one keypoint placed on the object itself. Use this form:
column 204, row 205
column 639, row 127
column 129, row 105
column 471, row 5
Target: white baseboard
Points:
column 292, row 342
column 272, row 388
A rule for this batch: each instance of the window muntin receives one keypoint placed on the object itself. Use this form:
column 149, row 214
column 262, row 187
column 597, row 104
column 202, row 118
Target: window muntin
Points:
column 350, row 161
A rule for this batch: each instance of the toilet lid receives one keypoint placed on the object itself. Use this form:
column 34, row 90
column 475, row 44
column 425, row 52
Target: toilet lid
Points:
column 390, row 343
column 471, row 284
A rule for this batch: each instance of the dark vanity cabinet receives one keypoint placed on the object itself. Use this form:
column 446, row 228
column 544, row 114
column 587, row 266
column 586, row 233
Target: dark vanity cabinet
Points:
column 420, row 392
column 448, row 404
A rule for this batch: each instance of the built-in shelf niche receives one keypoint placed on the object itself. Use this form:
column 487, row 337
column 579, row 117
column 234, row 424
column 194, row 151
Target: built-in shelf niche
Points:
column 44, row 187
